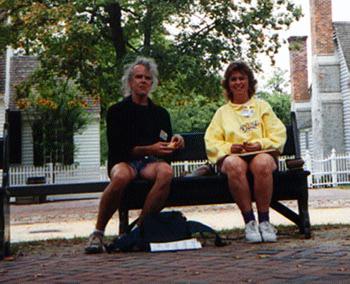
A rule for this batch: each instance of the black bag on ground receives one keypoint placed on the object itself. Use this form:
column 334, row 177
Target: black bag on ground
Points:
column 159, row 228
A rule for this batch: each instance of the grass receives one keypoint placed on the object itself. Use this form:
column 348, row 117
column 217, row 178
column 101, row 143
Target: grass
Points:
column 345, row 187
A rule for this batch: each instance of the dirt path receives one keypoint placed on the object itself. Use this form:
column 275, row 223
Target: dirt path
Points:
column 82, row 210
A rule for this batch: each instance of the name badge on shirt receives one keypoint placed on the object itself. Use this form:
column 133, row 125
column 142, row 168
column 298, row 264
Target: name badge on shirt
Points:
column 163, row 135
column 247, row 112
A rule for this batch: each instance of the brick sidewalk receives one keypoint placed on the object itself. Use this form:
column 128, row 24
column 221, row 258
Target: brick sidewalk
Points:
column 323, row 259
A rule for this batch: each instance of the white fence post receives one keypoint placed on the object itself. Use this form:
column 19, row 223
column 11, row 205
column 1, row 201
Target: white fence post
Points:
column 308, row 164
column 334, row 168
column 51, row 173
column 186, row 168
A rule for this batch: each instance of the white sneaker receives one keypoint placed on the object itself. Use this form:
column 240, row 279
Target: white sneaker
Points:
column 268, row 232
column 95, row 244
column 252, row 233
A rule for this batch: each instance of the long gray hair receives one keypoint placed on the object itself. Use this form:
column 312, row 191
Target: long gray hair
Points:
column 149, row 64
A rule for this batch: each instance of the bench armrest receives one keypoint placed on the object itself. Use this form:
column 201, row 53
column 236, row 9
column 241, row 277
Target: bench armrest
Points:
column 293, row 164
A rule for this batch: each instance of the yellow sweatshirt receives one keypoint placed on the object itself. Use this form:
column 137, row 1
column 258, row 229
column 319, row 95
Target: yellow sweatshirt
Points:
column 251, row 122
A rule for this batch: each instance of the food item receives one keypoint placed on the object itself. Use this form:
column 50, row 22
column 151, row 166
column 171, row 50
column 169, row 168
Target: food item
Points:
column 171, row 145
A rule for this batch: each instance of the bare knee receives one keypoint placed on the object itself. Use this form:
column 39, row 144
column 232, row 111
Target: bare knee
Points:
column 234, row 166
column 263, row 165
column 121, row 177
column 165, row 173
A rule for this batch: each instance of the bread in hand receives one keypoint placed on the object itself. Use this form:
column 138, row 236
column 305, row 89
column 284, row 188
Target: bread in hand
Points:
column 171, row 145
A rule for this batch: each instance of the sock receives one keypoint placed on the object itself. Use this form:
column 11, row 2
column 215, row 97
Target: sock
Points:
column 263, row 217
column 248, row 216
column 99, row 232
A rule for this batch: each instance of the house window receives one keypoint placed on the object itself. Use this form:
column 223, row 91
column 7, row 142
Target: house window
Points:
column 52, row 146
column 15, row 136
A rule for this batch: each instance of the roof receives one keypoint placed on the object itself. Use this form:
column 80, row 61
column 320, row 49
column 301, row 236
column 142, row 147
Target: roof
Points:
column 342, row 34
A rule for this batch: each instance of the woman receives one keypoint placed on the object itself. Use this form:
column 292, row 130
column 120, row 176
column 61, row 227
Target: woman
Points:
column 246, row 124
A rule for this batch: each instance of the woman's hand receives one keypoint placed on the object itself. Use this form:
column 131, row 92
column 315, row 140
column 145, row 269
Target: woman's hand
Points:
column 251, row 147
column 237, row 148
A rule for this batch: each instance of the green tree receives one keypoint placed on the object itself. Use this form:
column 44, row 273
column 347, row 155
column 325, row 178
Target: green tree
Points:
column 190, row 110
column 4, row 29
column 55, row 111
column 275, row 93
column 89, row 41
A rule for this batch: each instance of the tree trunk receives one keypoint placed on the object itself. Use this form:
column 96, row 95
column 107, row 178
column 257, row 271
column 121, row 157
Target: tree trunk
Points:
column 115, row 18
column 147, row 31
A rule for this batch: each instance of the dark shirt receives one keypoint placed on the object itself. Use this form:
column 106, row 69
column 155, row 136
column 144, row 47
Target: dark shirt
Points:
column 130, row 125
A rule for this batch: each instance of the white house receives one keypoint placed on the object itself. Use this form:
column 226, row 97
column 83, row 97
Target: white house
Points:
column 13, row 70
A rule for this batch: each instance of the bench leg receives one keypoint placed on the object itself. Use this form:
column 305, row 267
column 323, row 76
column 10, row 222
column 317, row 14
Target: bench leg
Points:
column 286, row 212
column 4, row 225
column 123, row 220
column 304, row 225
column 301, row 220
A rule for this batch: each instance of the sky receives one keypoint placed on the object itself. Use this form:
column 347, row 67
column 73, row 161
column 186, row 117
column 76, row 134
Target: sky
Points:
column 340, row 12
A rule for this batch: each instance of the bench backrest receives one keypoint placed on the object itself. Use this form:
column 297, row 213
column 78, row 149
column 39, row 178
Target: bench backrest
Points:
column 195, row 146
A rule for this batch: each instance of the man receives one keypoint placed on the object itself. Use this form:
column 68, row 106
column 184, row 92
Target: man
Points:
column 139, row 136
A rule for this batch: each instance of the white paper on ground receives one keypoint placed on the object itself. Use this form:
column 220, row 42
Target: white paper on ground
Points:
column 177, row 245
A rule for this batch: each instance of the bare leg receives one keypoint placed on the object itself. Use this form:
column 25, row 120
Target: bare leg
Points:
column 236, row 170
column 162, row 174
column 262, row 167
column 121, row 175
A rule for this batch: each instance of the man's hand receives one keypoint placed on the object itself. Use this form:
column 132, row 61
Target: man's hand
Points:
column 156, row 149
column 177, row 142
column 160, row 149
column 251, row 147
column 237, row 148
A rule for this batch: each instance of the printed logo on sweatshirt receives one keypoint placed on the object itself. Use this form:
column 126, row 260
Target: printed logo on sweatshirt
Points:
column 249, row 126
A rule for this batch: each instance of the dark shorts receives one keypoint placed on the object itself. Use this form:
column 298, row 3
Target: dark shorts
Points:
column 247, row 159
column 139, row 165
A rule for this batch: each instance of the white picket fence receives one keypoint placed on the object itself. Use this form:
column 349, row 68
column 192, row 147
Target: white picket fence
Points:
column 58, row 174
column 71, row 174
column 74, row 173
column 330, row 172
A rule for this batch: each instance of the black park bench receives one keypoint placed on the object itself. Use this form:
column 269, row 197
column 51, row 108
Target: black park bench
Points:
column 290, row 184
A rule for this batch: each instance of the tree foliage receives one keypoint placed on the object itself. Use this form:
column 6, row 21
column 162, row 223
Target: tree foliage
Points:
column 190, row 110
column 89, row 41
column 275, row 94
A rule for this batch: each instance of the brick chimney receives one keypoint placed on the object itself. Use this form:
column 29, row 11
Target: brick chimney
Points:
column 298, row 68
column 321, row 27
